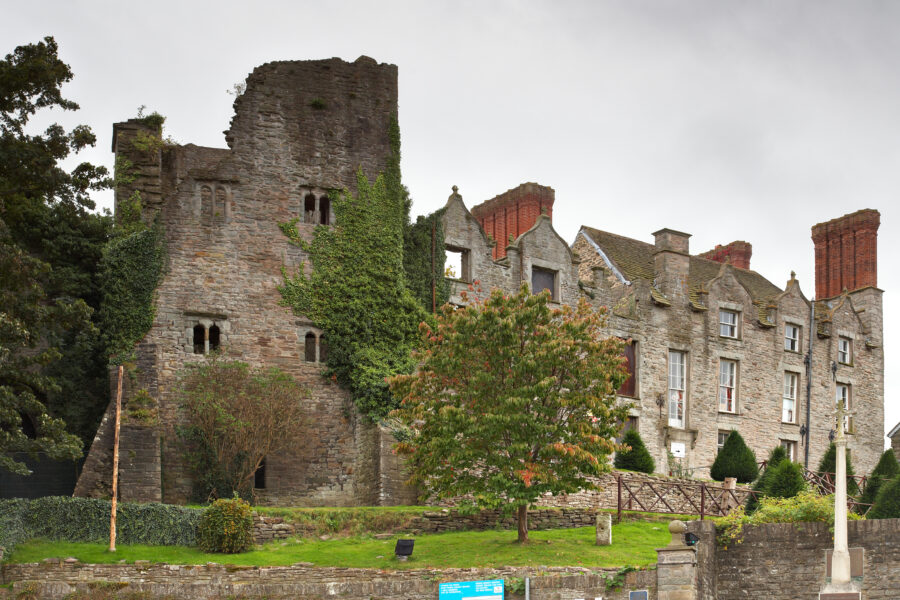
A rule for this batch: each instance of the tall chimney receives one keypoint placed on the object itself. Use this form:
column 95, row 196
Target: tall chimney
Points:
column 672, row 262
column 846, row 253
column 514, row 212
column 737, row 253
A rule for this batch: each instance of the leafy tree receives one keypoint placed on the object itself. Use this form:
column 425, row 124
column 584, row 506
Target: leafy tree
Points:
column 777, row 455
column 735, row 459
column 887, row 502
column 237, row 416
column 636, row 457
column 828, row 466
column 786, row 480
column 512, row 399
column 886, row 469
column 357, row 293
column 49, row 245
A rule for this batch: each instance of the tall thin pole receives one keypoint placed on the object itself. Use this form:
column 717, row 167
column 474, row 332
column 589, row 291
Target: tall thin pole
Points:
column 115, row 474
column 433, row 276
column 840, row 557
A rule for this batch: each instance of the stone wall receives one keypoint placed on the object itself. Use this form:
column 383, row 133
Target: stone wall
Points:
column 53, row 579
column 787, row 560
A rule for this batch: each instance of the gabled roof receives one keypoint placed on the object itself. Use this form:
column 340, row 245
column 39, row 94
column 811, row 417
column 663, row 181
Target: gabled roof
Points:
column 894, row 431
column 634, row 259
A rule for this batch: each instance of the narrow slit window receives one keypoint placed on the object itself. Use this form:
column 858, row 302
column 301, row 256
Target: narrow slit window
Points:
column 310, row 348
column 214, row 337
column 789, row 401
column 629, row 388
column 199, row 339
column 323, row 349
column 259, row 477
column 309, row 209
column 727, row 386
column 677, row 380
column 324, row 210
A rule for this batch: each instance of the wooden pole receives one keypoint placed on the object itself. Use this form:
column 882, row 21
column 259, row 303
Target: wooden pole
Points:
column 115, row 474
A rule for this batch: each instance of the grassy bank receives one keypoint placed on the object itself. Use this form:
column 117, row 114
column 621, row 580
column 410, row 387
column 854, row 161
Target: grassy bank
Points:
column 634, row 543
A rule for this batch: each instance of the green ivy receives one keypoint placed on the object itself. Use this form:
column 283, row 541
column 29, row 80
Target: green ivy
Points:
column 424, row 256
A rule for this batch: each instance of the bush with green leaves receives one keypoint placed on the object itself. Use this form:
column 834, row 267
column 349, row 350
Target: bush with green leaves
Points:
column 886, row 469
column 636, row 458
column 887, row 502
column 226, row 526
column 786, row 480
column 67, row 519
column 735, row 459
column 828, row 465
column 777, row 455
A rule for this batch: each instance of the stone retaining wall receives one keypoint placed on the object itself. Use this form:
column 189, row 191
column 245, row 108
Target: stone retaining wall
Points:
column 54, row 579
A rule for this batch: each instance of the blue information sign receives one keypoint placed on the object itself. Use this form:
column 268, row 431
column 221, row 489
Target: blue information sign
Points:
column 472, row 590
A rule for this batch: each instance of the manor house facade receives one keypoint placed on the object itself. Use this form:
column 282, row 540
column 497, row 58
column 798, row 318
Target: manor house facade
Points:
column 713, row 346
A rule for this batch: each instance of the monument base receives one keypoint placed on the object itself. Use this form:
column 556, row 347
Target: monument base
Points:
column 841, row 591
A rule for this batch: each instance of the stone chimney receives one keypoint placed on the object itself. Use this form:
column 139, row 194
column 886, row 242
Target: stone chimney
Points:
column 846, row 253
column 138, row 146
column 737, row 253
column 672, row 262
column 514, row 212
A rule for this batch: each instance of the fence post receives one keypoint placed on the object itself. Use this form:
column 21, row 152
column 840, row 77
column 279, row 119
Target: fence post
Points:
column 619, row 501
column 702, row 500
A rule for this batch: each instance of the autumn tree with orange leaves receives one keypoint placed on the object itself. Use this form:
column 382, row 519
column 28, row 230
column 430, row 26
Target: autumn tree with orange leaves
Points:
column 515, row 397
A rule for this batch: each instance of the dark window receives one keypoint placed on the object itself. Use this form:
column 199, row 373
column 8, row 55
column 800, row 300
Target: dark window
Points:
column 28, row 427
column 323, row 349
column 543, row 279
column 199, row 339
column 214, row 337
column 259, row 478
column 309, row 209
column 629, row 388
column 310, row 348
column 324, row 210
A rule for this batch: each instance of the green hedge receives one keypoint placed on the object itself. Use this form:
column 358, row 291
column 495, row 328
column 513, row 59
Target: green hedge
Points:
column 62, row 518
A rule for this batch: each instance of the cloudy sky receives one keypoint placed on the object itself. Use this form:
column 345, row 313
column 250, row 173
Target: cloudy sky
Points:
column 726, row 119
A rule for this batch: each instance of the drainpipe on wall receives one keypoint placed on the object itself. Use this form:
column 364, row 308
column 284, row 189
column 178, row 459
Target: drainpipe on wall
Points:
column 809, row 359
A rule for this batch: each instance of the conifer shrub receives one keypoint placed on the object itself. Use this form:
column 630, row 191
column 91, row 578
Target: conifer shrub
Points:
column 735, row 460
column 828, row 465
column 887, row 502
column 637, row 458
column 777, row 455
column 786, row 480
column 226, row 526
column 886, row 469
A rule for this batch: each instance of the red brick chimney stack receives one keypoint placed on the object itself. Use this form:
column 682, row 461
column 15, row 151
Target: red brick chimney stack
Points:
column 737, row 252
column 846, row 253
column 514, row 212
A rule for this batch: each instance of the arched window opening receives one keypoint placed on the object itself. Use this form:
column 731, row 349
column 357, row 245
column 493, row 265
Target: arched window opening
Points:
column 259, row 478
column 199, row 339
column 324, row 210
column 309, row 209
column 214, row 337
column 28, row 427
column 310, row 348
column 323, row 349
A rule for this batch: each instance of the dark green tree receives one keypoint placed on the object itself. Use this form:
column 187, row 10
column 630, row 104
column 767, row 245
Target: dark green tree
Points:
column 786, row 480
column 636, row 458
column 886, row 469
column 735, row 459
column 777, row 455
column 827, row 466
column 887, row 502
column 51, row 363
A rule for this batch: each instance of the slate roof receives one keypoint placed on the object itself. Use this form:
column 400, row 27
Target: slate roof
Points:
column 634, row 259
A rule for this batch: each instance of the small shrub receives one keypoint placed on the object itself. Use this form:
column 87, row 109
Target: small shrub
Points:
column 637, row 458
column 886, row 469
column 777, row 455
column 887, row 503
column 786, row 481
column 828, row 465
column 735, row 460
column 226, row 526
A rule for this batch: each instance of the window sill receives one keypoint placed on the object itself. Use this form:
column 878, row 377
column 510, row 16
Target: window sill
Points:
column 790, row 423
column 843, row 364
column 733, row 414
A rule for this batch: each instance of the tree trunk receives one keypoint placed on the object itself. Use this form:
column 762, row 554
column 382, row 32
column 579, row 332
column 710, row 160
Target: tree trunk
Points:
column 523, row 523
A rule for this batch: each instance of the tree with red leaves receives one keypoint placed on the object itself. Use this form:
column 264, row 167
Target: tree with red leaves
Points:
column 515, row 397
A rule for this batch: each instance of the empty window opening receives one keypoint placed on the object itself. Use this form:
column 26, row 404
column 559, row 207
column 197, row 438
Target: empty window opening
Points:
column 259, row 477
column 324, row 210
column 214, row 337
column 199, row 339
column 310, row 348
column 28, row 427
column 543, row 279
column 309, row 209
column 323, row 349
column 456, row 264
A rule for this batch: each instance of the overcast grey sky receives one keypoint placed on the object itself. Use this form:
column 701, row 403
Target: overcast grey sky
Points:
column 726, row 119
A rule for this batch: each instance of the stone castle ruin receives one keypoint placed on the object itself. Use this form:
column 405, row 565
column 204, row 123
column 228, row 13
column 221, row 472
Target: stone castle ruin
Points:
column 714, row 345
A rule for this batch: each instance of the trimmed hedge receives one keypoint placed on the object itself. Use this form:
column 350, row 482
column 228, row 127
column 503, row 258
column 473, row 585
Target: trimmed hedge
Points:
column 637, row 458
column 777, row 455
column 886, row 469
column 887, row 503
column 735, row 459
column 63, row 518
column 226, row 526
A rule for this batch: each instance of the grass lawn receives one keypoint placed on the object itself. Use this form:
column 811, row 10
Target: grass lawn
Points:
column 634, row 543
